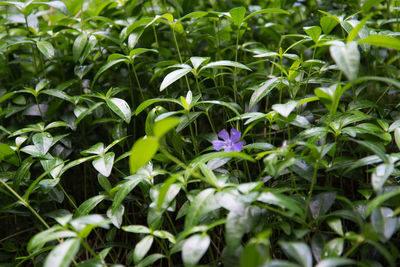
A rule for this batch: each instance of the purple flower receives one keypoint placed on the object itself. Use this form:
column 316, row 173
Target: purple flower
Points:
column 229, row 143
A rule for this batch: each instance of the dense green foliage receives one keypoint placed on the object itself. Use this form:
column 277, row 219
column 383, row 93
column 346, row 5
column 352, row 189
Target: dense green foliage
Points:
column 109, row 110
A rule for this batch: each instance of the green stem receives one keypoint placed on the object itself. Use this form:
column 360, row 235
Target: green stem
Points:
column 26, row 204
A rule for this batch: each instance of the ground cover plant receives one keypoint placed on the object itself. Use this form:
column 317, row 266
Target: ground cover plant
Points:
column 199, row 133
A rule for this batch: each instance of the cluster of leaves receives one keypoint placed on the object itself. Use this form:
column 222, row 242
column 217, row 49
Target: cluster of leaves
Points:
column 108, row 110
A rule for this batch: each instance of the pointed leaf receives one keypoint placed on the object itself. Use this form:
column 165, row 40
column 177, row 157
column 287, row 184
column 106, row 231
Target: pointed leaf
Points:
column 203, row 203
column 63, row 254
column 225, row 63
column 173, row 76
column 285, row 109
column 381, row 41
column 194, row 248
column 347, row 58
column 43, row 142
column 262, row 91
column 300, row 252
column 104, row 164
column 46, row 48
column 142, row 248
column 120, row 107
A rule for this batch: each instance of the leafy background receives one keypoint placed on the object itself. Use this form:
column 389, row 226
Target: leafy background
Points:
column 108, row 110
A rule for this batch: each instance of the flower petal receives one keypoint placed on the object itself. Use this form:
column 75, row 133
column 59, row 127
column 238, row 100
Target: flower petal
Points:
column 238, row 146
column 228, row 148
column 218, row 144
column 235, row 135
column 224, row 135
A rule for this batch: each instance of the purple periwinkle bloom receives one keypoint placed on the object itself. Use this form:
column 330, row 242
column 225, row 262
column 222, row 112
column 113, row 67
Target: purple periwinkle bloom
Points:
column 229, row 143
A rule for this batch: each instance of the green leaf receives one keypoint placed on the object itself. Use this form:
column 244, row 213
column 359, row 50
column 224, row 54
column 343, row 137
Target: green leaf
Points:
column 334, row 248
column 43, row 142
column 381, row 41
column 86, row 112
column 397, row 137
column 142, row 248
column 163, row 126
column 142, row 152
column 209, row 156
column 106, row 67
column 380, row 175
column 314, row 32
column 368, row 4
column 251, row 255
column 328, row 24
column 149, row 102
column 194, row 248
column 97, row 149
column 354, row 32
column 262, row 91
column 197, row 61
column 336, row 225
column 232, row 106
column 59, row 5
column 237, row 15
column 173, row 76
column 384, row 222
column 267, row 11
column 46, row 48
column 300, row 252
column 79, row 46
column 125, row 188
column 236, row 227
column 63, row 254
column 8, row 155
column 88, row 49
column 149, row 260
column 89, row 205
column 281, row 201
column 333, row 262
column 137, row 229
column 104, row 163
column 54, row 233
column 285, row 109
column 203, row 203
column 121, row 108
column 347, row 58
column 225, row 63
column 164, row 190
column 376, row 202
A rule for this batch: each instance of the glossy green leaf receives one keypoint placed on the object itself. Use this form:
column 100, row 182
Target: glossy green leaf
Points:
column 203, row 203
column 63, row 254
column 120, row 107
column 125, row 188
column 381, row 41
column 194, row 248
column 79, row 46
column 281, row 201
column 104, row 163
column 225, row 63
column 89, row 205
column 300, row 252
column 46, row 49
column 262, row 91
column 347, row 58
column 142, row 248
column 173, row 76
column 43, row 142
column 285, row 109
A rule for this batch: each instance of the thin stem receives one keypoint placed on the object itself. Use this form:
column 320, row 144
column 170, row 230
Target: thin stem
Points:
column 26, row 204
